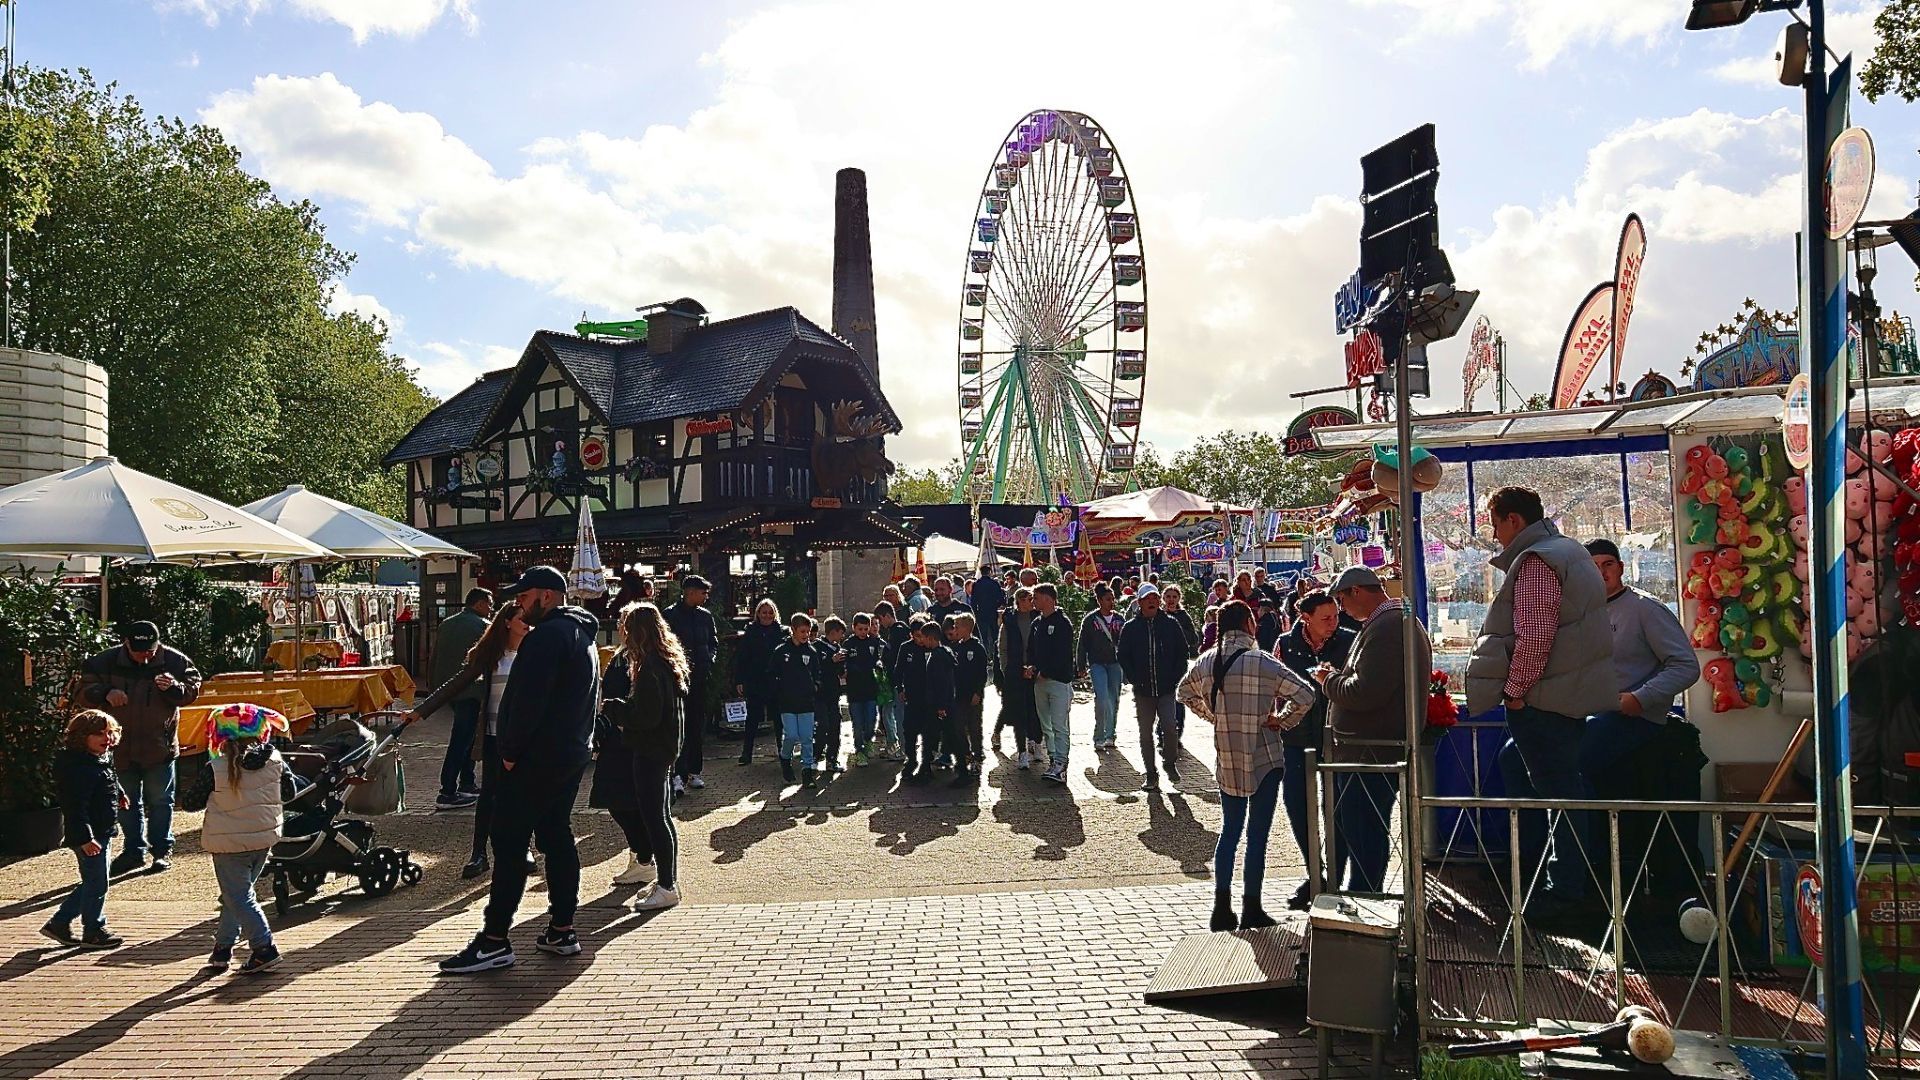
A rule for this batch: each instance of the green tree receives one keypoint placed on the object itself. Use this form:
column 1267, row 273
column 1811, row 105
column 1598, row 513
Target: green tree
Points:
column 1895, row 66
column 1249, row 469
column 924, row 487
column 158, row 257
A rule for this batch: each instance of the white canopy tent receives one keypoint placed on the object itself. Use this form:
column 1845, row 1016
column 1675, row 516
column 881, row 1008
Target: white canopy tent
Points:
column 945, row 553
column 1164, row 504
column 346, row 530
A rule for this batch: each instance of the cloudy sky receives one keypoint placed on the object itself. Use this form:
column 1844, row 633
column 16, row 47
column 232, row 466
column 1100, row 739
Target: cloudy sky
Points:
column 502, row 167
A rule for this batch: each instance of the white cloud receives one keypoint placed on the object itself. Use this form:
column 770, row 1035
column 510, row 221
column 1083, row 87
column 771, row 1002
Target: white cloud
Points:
column 1543, row 29
column 366, row 306
column 731, row 205
column 364, row 18
column 445, row 368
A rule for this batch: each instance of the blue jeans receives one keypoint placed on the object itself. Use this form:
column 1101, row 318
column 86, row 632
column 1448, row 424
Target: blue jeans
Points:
column 1107, row 680
column 1254, row 813
column 456, row 771
column 148, row 819
column 1293, row 794
column 866, row 716
column 1053, row 700
column 1151, row 712
column 88, row 900
column 1363, row 822
column 891, row 714
column 797, row 728
column 1610, row 737
column 1542, row 761
column 236, row 871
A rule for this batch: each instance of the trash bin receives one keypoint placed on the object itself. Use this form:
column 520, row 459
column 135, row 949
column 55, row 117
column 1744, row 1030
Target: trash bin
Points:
column 1353, row 963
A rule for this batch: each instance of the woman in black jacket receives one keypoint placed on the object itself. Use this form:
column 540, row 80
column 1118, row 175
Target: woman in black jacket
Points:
column 752, row 666
column 644, row 702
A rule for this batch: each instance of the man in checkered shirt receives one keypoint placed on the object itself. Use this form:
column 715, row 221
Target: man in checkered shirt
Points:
column 1250, row 697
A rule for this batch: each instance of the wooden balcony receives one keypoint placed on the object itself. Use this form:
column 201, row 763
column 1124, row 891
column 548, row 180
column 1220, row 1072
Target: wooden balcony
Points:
column 774, row 475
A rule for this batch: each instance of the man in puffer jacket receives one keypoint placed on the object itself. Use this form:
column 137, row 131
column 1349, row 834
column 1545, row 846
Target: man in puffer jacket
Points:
column 142, row 684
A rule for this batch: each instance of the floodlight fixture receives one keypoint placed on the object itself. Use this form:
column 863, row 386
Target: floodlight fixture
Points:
column 1715, row 14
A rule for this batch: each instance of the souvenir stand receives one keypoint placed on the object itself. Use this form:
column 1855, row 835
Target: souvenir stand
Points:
column 1696, row 491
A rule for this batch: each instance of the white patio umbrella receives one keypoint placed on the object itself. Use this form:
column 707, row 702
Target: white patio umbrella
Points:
column 105, row 509
column 347, row 530
column 587, row 580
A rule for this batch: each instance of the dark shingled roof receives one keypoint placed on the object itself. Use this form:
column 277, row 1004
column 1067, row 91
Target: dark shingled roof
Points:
column 718, row 368
column 452, row 424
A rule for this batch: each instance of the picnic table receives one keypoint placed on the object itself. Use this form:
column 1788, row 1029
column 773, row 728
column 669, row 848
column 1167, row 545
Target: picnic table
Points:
column 354, row 690
column 289, row 655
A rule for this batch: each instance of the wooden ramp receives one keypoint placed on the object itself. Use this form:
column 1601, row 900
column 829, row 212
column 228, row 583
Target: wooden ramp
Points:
column 1235, row 962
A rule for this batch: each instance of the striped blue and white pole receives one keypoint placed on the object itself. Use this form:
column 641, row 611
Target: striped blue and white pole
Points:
column 1823, row 342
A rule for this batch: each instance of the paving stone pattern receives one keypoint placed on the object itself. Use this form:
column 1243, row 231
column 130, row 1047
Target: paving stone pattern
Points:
column 856, row 930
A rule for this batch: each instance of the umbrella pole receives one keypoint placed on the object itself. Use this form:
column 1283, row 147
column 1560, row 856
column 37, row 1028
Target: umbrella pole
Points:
column 104, row 563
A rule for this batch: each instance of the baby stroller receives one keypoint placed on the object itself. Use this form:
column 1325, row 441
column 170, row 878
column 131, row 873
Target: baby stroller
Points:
column 315, row 841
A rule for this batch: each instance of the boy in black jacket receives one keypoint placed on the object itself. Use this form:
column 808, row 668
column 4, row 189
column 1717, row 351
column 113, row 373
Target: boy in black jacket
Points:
column 972, row 668
column 897, row 638
column 90, row 801
column 1049, row 662
column 798, row 682
column 826, row 712
column 925, row 679
column 866, row 658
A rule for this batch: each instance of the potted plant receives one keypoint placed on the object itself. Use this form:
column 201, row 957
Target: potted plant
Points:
column 42, row 642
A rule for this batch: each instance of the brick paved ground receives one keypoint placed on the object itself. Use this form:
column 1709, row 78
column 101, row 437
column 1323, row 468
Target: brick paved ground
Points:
column 854, row 930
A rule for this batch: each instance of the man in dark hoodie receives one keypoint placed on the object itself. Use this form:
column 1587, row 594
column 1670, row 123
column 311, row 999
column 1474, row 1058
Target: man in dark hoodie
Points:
column 545, row 736
column 926, row 680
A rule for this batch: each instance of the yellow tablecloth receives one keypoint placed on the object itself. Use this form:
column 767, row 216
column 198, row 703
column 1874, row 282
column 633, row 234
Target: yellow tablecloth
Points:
column 282, row 653
column 327, row 691
column 195, row 718
column 398, row 681
column 606, row 656
column 291, row 704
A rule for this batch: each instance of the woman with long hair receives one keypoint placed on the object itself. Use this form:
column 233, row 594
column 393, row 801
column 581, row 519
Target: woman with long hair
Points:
column 490, row 660
column 644, row 700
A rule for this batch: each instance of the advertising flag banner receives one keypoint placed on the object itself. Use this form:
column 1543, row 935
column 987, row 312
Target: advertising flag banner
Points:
column 1589, row 337
column 1626, row 281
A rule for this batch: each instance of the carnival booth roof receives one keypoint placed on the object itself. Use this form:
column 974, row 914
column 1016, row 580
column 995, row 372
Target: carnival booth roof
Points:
column 105, row 508
column 945, row 552
column 1163, row 504
column 347, row 530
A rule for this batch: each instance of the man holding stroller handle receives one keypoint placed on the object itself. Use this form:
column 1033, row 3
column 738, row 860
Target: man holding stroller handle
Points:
column 545, row 739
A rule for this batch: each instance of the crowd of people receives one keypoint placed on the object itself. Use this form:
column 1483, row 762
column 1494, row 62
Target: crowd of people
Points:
column 1585, row 667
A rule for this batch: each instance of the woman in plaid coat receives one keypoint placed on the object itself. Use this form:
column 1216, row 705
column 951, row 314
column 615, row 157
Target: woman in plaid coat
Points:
column 1250, row 698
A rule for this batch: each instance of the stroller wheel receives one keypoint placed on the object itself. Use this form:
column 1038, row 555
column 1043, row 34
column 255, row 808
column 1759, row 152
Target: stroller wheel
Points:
column 280, row 899
column 380, row 872
column 412, row 873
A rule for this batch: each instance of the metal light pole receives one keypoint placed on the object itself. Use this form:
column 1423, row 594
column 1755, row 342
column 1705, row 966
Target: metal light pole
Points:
column 1823, row 345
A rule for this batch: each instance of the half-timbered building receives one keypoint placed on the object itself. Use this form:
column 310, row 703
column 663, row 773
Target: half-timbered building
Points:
column 701, row 440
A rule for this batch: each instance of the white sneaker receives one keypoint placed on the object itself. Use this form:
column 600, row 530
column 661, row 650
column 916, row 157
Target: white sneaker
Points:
column 656, row 897
column 1025, row 759
column 696, row 781
column 636, row 872
column 679, row 786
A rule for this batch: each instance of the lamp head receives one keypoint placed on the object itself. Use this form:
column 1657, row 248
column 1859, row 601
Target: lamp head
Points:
column 1714, row 14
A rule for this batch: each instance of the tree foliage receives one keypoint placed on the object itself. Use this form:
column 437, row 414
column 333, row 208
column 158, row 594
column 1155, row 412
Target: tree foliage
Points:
column 157, row 256
column 44, row 635
column 924, row 487
column 1895, row 65
column 1245, row 468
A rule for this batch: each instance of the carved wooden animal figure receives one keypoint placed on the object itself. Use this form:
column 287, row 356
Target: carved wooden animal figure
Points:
column 849, row 450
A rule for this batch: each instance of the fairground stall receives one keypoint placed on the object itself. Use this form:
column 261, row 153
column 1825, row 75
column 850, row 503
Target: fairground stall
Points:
column 1697, row 493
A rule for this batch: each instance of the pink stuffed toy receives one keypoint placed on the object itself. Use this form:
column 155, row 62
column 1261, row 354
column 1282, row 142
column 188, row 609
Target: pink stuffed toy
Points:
column 1877, row 446
column 1796, row 488
column 1858, row 498
column 1854, row 462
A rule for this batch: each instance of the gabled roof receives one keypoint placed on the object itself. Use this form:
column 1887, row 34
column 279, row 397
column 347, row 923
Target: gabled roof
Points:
column 451, row 425
column 722, row 367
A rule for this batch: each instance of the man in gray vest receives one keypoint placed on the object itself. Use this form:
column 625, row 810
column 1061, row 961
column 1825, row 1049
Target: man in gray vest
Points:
column 1546, row 654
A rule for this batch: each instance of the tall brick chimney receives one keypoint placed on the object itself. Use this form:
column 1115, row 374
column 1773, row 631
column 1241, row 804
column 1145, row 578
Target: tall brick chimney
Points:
column 669, row 323
column 853, row 316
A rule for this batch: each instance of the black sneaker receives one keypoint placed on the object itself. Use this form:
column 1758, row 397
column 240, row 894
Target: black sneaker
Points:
column 808, row 776
column 101, row 938
column 1173, row 772
column 128, row 862
column 459, row 800
column 475, row 867
column 59, row 932
column 220, row 959
column 786, row 770
column 161, row 864
column 558, row 942
column 260, row 961
column 482, row 954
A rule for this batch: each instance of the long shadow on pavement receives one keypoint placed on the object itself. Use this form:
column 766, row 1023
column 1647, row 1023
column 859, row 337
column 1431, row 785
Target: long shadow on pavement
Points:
column 1174, row 832
column 903, row 829
column 41, row 1057
column 1055, row 822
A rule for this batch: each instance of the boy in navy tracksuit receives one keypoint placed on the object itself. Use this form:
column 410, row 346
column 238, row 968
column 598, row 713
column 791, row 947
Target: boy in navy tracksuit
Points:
column 972, row 669
column 797, row 675
column 924, row 676
column 833, row 683
column 866, row 658
column 894, row 635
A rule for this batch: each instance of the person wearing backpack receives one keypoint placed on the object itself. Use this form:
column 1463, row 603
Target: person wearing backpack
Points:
column 1250, row 698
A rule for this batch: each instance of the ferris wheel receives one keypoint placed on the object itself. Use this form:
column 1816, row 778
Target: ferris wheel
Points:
column 1053, row 320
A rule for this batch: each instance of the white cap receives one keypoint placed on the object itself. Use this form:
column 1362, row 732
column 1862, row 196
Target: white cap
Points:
column 1146, row 590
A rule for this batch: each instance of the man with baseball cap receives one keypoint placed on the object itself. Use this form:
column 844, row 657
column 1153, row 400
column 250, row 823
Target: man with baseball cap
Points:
column 143, row 684
column 1153, row 657
column 545, row 737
